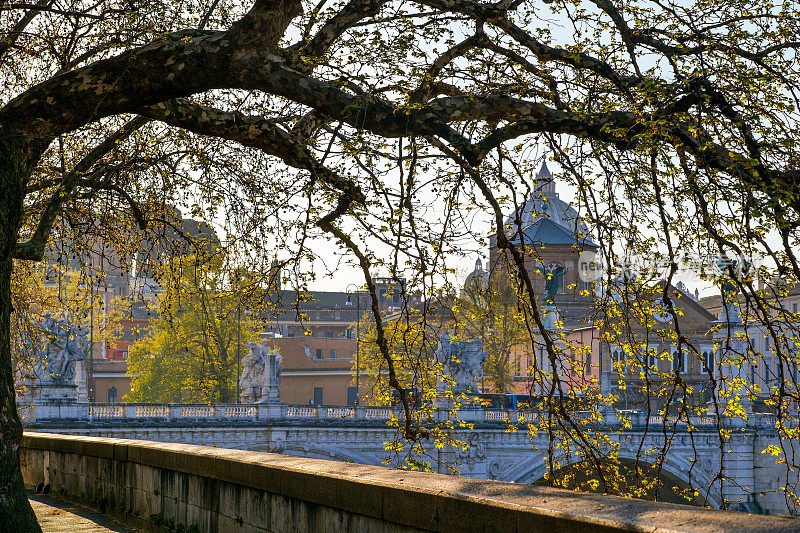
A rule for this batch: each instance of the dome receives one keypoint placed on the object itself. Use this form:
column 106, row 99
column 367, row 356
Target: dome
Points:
column 547, row 219
column 477, row 279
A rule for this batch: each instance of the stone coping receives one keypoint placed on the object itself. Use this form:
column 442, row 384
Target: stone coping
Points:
column 42, row 426
column 434, row 502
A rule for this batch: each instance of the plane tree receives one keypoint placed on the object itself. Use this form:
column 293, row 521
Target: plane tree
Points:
column 380, row 125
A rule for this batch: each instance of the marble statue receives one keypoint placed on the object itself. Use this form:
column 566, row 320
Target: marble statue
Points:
column 463, row 362
column 252, row 367
column 729, row 289
column 57, row 375
column 65, row 346
column 261, row 374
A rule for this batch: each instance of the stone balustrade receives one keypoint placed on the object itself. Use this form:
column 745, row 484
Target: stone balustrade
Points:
column 87, row 412
column 195, row 488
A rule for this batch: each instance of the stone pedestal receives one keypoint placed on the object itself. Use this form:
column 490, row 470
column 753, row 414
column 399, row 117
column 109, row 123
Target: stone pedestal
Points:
column 605, row 382
column 442, row 403
column 270, row 411
column 25, row 391
column 738, row 464
column 60, row 410
column 471, row 413
column 738, row 346
column 551, row 318
column 66, row 393
column 82, row 392
column 55, row 401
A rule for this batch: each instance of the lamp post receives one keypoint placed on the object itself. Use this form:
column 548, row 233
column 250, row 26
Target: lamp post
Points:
column 358, row 336
column 90, row 366
column 238, row 348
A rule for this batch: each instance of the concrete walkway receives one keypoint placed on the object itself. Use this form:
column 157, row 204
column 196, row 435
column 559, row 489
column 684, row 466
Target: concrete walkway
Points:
column 57, row 516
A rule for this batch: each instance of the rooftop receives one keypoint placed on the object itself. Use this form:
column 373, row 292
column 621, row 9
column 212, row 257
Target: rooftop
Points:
column 544, row 218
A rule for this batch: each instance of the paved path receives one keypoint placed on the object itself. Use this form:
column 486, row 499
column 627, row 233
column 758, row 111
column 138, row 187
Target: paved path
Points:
column 57, row 516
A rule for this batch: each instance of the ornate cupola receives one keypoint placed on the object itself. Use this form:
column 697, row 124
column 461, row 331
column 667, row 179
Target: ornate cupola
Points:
column 545, row 184
column 552, row 235
column 545, row 219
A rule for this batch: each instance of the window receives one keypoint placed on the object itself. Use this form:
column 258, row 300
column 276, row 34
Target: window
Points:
column 679, row 361
column 588, row 369
column 352, row 395
column 396, row 297
column 794, row 307
column 112, row 395
column 617, row 354
column 333, row 353
column 317, row 396
column 707, row 353
column 319, row 353
column 329, row 334
column 291, row 334
column 770, row 371
column 349, row 333
column 652, row 356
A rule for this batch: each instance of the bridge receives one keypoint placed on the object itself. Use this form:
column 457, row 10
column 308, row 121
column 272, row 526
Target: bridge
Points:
column 358, row 434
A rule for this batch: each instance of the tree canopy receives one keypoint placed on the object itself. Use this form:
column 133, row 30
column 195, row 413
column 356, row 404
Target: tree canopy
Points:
column 201, row 327
column 38, row 290
column 390, row 128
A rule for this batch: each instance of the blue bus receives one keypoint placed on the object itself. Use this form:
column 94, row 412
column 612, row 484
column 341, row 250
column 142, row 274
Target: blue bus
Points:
column 508, row 401
column 513, row 402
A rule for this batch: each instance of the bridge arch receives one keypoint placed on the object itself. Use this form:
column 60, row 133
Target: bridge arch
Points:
column 330, row 454
column 676, row 469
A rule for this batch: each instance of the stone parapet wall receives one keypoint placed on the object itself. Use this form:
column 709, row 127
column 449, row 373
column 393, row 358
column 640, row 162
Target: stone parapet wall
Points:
column 213, row 489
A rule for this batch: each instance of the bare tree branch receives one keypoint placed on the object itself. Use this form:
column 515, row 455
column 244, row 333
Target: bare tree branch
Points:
column 33, row 248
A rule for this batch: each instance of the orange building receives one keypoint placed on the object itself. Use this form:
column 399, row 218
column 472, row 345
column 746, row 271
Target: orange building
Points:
column 109, row 376
column 552, row 238
column 316, row 371
column 317, row 337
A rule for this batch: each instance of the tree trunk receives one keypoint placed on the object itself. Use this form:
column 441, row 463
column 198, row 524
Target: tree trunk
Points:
column 16, row 513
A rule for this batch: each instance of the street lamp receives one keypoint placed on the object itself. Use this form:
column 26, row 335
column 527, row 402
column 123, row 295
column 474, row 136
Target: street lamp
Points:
column 239, row 348
column 358, row 336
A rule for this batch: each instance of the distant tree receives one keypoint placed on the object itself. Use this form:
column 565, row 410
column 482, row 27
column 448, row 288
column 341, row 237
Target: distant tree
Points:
column 411, row 344
column 495, row 313
column 200, row 328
